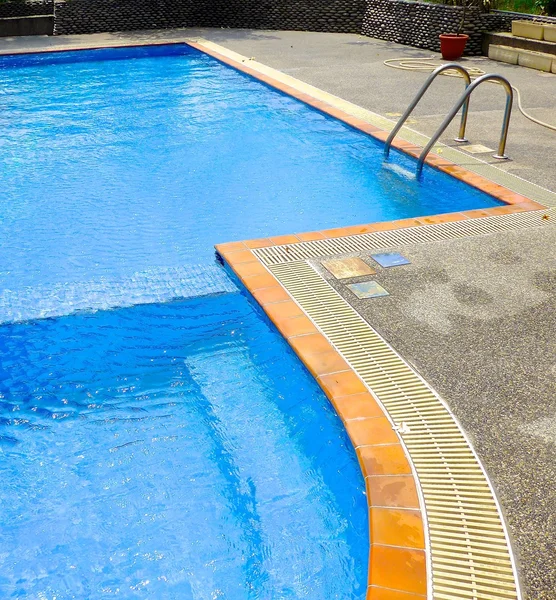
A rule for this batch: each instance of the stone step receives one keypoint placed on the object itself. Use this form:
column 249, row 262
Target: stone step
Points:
column 525, row 58
column 507, row 39
column 535, row 30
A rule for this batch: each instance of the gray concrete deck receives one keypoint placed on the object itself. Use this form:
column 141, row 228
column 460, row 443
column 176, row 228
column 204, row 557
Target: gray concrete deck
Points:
column 476, row 317
column 351, row 67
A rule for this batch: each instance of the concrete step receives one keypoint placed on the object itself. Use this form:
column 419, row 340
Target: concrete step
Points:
column 526, row 58
column 30, row 25
column 507, row 39
column 535, row 30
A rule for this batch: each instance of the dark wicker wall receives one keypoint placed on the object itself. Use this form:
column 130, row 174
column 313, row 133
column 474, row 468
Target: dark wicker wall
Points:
column 420, row 23
column 404, row 21
column 91, row 16
column 26, row 9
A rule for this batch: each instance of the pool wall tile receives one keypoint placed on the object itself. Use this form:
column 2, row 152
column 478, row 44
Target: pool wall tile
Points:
column 445, row 218
column 270, row 295
column 380, row 593
column 383, row 460
column 357, row 406
column 280, row 311
column 259, row 282
column 341, row 384
column 400, row 569
column 285, row 239
column 231, row 247
column 261, row 243
column 297, row 326
column 314, row 343
column 392, row 490
column 325, row 362
column 398, row 563
column 365, row 432
column 250, row 269
column 241, row 256
column 395, row 526
column 397, row 521
column 310, row 236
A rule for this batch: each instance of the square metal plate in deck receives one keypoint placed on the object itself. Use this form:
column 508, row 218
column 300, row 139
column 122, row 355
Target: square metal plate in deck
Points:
column 476, row 149
column 390, row 259
column 343, row 268
column 368, row 289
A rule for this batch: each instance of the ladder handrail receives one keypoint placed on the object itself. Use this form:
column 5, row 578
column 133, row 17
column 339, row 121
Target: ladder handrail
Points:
column 419, row 95
column 464, row 99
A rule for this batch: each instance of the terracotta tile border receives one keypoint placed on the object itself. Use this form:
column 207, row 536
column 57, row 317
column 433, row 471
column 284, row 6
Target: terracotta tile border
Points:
column 351, row 230
column 397, row 557
column 515, row 202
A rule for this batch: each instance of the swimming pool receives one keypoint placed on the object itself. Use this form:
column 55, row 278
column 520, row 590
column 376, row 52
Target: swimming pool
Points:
column 174, row 450
column 119, row 176
column 171, row 448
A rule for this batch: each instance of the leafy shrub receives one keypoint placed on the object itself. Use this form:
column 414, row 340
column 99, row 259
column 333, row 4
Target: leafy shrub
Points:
column 546, row 7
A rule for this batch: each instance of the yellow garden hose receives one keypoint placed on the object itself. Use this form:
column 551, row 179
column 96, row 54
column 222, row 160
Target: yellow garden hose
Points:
column 426, row 65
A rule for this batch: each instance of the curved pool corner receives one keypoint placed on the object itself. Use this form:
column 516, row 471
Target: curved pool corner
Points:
column 398, row 556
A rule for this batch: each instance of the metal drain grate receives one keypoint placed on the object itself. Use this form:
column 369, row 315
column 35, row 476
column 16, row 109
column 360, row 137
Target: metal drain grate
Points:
column 412, row 235
column 470, row 553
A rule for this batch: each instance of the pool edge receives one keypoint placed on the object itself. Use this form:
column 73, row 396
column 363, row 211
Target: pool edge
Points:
column 514, row 201
column 367, row 423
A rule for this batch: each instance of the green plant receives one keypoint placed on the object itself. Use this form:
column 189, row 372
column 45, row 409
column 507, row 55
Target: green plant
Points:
column 546, row 7
column 482, row 5
column 463, row 17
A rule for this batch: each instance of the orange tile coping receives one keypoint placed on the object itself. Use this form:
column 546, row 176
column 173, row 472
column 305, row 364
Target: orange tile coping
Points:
column 397, row 559
column 515, row 202
column 507, row 209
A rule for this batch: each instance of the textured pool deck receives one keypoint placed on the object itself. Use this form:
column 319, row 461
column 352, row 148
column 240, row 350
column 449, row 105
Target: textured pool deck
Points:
column 466, row 333
column 476, row 317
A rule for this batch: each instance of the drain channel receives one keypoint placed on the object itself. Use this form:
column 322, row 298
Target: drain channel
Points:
column 412, row 235
column 470, row 552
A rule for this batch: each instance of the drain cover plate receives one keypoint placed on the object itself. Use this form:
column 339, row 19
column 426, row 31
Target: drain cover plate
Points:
column 348, row 267
column 477, row 149
column 368, row 289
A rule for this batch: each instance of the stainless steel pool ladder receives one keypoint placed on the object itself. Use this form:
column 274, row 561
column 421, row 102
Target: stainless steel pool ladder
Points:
column 463, row 100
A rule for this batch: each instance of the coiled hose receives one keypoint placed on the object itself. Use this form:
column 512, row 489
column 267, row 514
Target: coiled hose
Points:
column 426, row 65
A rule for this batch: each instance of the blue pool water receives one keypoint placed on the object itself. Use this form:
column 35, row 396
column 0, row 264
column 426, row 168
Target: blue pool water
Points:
column 117, row 177
column 173, row 450
column 158, row 439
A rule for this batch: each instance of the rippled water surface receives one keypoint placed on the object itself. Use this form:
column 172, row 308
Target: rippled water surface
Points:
column 118, row 176
column 173, row 450
column 163, row 448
